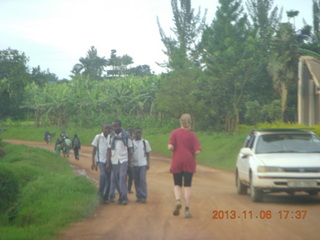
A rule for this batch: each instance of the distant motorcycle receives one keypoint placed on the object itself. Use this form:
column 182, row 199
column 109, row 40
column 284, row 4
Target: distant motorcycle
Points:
column 48, row 137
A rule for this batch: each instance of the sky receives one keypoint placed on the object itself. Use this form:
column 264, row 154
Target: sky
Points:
column 54, row 34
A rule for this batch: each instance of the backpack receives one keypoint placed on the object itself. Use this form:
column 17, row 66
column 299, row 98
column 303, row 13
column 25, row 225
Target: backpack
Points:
column 67, row 142
column 76, row 142
column 144, row 147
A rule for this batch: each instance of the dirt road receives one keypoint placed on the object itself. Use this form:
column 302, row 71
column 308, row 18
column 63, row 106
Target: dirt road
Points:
column 214, row 195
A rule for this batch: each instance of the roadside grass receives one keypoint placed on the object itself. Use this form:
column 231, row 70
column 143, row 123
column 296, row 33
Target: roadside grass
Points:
column 50, row 195
column 219, row 150
column 30, row 133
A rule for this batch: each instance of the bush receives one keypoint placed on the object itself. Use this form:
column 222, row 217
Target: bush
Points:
column 8, row 189
column 42, row 195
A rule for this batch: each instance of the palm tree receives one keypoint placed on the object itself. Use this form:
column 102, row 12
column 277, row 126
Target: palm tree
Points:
column 292, row 14
column 92, row 65
column 283, row 62
column 126, row 60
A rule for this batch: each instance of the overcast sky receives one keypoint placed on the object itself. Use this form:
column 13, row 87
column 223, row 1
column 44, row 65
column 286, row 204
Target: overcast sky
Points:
column 56, row 33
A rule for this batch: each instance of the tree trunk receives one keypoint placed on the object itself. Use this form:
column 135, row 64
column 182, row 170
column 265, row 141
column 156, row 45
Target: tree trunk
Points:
column 36, row 118
column 236, row 122
column 284, row 96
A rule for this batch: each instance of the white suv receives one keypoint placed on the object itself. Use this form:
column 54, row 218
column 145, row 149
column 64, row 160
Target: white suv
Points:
column 279, row 160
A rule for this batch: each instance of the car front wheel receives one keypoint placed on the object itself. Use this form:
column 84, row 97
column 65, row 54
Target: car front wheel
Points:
column 241, row 188
column 256, row 194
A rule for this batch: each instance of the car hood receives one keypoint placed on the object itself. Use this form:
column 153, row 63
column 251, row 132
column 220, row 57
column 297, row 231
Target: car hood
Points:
column 289, row 159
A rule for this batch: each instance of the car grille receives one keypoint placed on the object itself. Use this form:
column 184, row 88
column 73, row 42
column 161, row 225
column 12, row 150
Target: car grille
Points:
column 302, row 169
column 280, row 183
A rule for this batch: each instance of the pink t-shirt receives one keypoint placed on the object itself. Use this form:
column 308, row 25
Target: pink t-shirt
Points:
column 185, row 144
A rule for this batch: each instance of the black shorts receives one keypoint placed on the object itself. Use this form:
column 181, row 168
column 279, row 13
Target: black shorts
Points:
column 187, row 177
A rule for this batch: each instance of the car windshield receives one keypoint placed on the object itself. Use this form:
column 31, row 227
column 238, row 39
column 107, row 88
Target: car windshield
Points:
column 288, row 142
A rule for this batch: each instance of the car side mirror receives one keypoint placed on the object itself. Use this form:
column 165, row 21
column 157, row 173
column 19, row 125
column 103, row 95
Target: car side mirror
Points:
column 246, row 152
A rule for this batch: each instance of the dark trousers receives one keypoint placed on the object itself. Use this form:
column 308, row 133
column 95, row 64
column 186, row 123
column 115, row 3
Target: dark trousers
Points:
column 130, row 178
column 140, row 181
column 76, row 152
column 118, row 180
column 104, row 181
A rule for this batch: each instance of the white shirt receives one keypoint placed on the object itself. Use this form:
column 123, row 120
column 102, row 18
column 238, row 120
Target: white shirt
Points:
column 102, row 148
column 120, row 153
column 139, row 157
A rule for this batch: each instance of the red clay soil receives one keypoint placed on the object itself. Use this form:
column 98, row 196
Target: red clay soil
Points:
column 219, row 213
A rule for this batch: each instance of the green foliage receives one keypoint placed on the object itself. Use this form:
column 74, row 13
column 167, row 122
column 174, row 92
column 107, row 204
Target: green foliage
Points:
column 92, row 65
column 119, row 65
column 158, row 142
column 89, row 103
column 40, row 77
column 13, row 78
column 264, row 18
column 219, row 150
column 8, row 189
column 253, row 113
column 280, row 124
column 219, row 75
column 50, row 196
column 316, row 129
column 182, row 50
column 283, row 64
column 35, row 204
column 256, row 113
column 177, row 94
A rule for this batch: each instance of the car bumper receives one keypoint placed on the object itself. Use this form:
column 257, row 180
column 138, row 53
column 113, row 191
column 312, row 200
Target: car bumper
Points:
column 287, row 182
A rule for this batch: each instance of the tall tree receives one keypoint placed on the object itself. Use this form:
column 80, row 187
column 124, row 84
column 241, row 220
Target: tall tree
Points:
column 316, row 21
column 228, row 58
column 183, row 60
column 14, row 77
column 284, row 63
column 182, row 48
column 292, row 14
column 92, row 65
column 177, row 94
column 42, row 77
column 264, row 19
column 308, row 37
column 119, row 64
column 141, row 70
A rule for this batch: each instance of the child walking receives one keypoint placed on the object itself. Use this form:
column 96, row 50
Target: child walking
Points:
column 141, row 163
column 119, row 158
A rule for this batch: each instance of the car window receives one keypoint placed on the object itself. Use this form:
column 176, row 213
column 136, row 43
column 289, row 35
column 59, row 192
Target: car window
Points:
column 249, row 141
column 288, row 142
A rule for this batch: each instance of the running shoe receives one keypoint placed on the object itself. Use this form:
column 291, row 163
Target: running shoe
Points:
column 177, row 208
column 187, row 214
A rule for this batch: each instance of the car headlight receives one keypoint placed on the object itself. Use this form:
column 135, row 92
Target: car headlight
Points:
column 269, row 169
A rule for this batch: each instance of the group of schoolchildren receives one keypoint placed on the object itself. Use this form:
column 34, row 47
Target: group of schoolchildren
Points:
column 65, row 145
column 119, row 153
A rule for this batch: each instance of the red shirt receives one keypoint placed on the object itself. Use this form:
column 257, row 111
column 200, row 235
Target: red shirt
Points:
column 185, row 144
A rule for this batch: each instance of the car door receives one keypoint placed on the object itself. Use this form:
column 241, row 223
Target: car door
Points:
column 244, row 161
